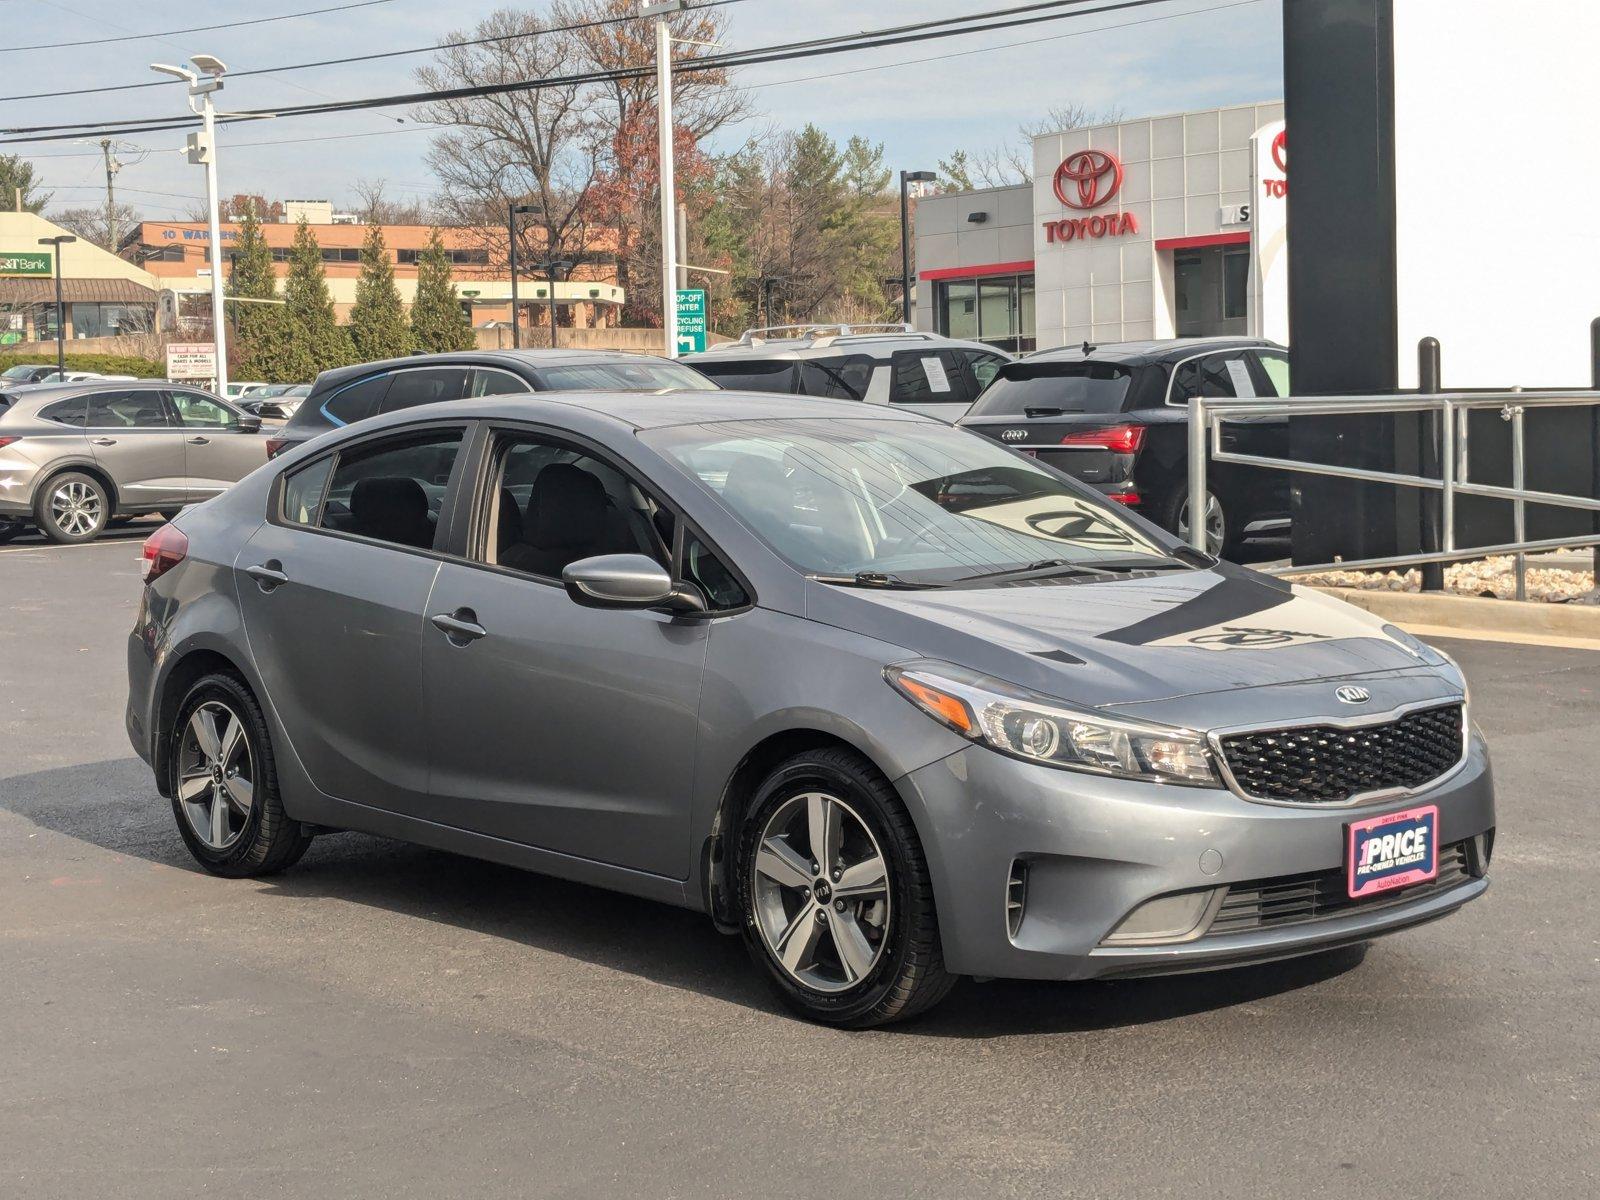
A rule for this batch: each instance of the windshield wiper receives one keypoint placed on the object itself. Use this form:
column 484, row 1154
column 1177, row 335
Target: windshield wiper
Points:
column 1044, row 568
column 876, row 579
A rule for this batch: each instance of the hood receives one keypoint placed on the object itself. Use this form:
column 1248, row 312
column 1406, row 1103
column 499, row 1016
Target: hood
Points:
column 1133, row 640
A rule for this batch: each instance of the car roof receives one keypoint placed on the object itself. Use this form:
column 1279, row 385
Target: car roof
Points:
column 756, row 348
column 1160, row 350
column 505, row 359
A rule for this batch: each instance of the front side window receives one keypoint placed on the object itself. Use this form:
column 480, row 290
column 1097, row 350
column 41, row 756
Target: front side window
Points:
column 1052, row 388
column 984, row 367
column 552, row 504
column 1213, row 375
column 126, row 410
column 1276, row 366
column 642, row 376
column 394, row 491
column 430, row 385
column 195, row 409
column 909, row 503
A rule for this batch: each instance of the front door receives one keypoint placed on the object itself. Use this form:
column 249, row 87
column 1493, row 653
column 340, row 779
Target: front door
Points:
column 334, row 588
column 134, row 440
column 553, row 725
column 217, row 449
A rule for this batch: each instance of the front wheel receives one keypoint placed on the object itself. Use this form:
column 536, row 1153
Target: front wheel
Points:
column 835, row 897
column 224, row 783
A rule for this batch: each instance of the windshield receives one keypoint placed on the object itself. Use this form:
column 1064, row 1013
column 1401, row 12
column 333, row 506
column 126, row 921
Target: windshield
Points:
column 18, row 373
column 924, row 503
column 643, row 376
column 1065, row 387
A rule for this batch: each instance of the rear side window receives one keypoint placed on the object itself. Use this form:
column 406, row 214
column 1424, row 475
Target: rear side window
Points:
column 430, row 385
column 356, row 401
column 928, row 377
column 394, row 492
column 302, row 492
column 127, row 410
column 745, row 375
column 1051, row 388
column 1220, row 375
column 496, row 383
column 66, row 412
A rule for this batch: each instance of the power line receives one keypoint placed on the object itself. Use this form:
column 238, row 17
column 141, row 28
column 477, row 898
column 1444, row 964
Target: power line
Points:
column 314, row 12
column 374, row 57
column 843, row 43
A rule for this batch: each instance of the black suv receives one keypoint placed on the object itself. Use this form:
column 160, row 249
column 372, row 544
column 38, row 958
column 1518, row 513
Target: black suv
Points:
column 1116, row 417
column 346, row 395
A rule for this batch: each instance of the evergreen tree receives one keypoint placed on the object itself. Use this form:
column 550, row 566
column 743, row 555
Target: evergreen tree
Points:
column 263, row 341
column 437, row 320
column 16, row 172
column 377, row 320
column 319, row 338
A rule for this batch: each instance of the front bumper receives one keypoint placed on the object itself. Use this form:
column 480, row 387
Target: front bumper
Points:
column 1094, row 849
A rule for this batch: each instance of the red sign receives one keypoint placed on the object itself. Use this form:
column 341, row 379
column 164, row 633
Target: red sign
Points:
column 1108, row 225
column 1088, row 178
column 1280, row 150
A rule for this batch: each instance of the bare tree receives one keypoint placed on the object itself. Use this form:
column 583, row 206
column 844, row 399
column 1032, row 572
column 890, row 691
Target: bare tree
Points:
column 1011, row 162
column 374, row 206
column 89, row 223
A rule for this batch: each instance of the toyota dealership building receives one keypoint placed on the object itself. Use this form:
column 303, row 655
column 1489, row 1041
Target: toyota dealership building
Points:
column 1155, row 228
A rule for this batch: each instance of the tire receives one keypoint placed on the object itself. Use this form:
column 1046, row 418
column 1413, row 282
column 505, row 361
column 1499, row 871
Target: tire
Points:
column 247, row 839
column 1172, row 510
column 9, row 529
column 72, row 508
column 893, row 930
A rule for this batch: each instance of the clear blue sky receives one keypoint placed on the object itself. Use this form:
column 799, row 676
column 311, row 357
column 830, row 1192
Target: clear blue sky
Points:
column 1201, row 53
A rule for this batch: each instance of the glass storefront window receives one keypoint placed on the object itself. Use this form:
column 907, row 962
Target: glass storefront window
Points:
column 998, row 310
column 1235, row 284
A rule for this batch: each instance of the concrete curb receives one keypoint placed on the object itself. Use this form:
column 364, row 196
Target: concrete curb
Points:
column 1475, row 616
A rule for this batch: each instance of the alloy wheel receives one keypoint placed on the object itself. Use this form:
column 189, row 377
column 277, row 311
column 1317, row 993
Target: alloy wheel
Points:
column 76, row 508
column 1216, row 524
column 216, row 775
column 821, row 892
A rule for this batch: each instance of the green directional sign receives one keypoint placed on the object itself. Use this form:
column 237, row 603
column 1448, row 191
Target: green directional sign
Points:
column 691, row 320
column 26, row 262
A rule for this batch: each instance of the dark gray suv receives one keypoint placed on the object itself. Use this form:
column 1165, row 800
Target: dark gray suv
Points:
column 894, row 703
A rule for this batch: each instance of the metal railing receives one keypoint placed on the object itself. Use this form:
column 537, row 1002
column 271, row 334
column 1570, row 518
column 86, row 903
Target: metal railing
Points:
column 1206, row 418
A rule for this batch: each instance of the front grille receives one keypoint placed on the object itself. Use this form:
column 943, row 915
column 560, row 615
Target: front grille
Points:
column 1293, row 899
column 1327, row 764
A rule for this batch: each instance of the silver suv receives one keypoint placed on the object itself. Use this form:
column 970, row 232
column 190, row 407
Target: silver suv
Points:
column 75, row 456
column 879, row 364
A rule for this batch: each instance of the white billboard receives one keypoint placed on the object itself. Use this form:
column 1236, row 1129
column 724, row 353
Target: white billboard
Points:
column 1269, row 229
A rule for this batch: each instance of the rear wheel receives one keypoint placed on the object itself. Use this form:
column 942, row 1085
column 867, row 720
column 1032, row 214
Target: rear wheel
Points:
column 72, row 508
column 224, row 783
column 835, row 897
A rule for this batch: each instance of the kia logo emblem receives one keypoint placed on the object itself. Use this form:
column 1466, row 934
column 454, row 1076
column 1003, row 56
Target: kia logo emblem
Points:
column 1353, row 695
column 1088, row 178
column 1280, row 151
column 1014, row 435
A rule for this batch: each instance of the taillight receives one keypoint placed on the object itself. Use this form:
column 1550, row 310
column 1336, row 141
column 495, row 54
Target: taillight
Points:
column 163, row 550
column 1119, row 439
column 275, row 446
column 6, row 441
column 1131, row 499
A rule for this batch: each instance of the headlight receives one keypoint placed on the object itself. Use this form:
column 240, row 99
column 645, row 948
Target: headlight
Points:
column 1038, row 729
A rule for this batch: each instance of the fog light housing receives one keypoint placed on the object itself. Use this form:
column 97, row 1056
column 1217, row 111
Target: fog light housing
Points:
column 1180, row 917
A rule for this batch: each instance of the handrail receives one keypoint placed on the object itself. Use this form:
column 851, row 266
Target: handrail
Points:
column 1208, row 414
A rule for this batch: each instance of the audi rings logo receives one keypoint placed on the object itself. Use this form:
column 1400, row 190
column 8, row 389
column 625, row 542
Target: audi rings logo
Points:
column 1088, row 178
column 1013, row 435
column 1352, row 695
column 1280, row 151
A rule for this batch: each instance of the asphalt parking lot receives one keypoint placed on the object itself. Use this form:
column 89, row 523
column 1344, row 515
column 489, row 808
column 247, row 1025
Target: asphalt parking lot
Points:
column 389, row 1020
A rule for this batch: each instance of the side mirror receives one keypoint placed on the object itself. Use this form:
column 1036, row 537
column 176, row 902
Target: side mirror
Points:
column 250, row 423
column 628, row 581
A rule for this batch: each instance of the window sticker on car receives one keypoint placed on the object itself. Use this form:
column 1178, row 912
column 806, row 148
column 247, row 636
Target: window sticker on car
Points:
column 938, row 381
column 1239, row 373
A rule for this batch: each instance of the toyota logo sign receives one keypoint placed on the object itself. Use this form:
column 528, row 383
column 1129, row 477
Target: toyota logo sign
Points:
column 1088, row 178
column 1014, row 435
column 1280, row 151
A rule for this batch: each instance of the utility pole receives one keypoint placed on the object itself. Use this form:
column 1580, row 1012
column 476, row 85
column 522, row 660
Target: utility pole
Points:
column 661, row 9
column 112, row 167
column 683, row 242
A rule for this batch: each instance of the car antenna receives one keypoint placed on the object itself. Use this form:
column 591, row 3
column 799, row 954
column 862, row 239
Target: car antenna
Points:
column 1087, row 349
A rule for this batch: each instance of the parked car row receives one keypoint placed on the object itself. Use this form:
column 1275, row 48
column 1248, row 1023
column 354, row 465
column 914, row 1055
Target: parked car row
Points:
column 892, row 702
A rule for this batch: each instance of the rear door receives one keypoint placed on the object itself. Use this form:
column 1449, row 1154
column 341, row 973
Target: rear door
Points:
column 217, row 449
column 138, row 444
column 333, row 587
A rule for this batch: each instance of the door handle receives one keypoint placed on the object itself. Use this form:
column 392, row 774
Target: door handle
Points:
column 104, row 441
column 267, row 575
column 460, row 626
column 199, row 441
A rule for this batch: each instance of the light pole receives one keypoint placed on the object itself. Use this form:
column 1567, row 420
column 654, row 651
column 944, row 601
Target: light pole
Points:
column 203, row 150
column 908, row 177
column 512, row 213
column 59, row 241
column 661, row 10
column 552, row 269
